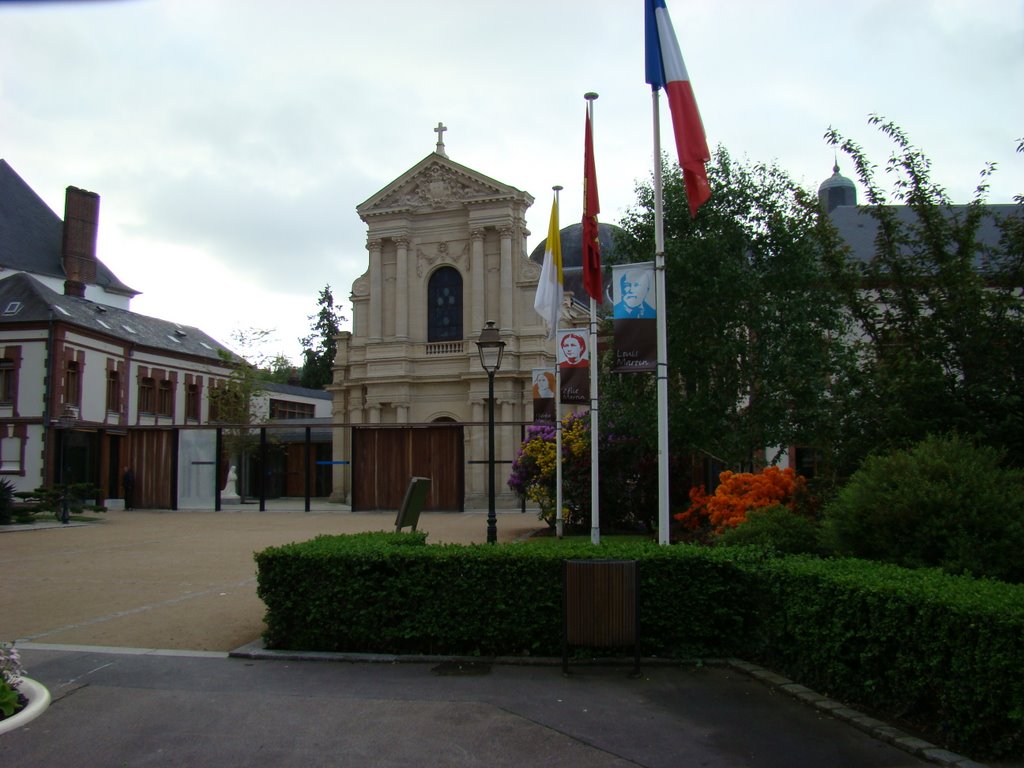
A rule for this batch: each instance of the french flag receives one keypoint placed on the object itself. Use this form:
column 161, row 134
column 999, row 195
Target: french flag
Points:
column 665, row 69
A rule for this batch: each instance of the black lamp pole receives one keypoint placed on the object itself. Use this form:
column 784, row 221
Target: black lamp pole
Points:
column 490, row 347
column 492, row 519
column 64, row 424
column 63, row 511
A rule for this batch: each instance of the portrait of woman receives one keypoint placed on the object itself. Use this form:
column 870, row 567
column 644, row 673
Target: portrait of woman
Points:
column 574, row 350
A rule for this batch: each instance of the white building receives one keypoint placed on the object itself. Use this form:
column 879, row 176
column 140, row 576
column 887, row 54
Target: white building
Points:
column 446, row 254
column 88, row 387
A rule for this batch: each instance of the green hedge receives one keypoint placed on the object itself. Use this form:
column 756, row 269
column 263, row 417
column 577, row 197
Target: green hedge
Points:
column 940, row 651
column 365, row 594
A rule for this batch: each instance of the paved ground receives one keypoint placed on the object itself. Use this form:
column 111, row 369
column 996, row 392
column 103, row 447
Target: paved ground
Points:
column 129, row 622
column 177, row 580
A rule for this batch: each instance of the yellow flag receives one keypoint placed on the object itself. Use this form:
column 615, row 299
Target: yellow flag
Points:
column 548, row 301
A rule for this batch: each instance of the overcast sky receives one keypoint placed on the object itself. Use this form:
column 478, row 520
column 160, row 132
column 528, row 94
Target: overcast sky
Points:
column 231, row 140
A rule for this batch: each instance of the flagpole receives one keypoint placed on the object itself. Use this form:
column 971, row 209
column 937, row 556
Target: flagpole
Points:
column 558, row 448
column 595, row 505
column 662, row 374
column 558, row 416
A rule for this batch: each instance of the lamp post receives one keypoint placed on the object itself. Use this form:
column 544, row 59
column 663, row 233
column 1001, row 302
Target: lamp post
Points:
column 65, row 422
column 491, row 348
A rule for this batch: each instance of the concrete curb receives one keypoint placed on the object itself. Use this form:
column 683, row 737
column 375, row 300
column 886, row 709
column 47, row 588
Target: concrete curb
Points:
column 42, row 525
column 876, row 728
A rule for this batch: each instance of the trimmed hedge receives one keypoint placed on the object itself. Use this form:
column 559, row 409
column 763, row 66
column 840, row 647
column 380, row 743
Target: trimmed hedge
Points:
column 368, row 593
column 940, row 651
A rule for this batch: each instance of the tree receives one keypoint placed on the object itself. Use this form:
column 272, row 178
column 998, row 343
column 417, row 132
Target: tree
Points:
column 231, row 400
column 753, row 329
column 278, row 370
column 320, row 347
column 940, row 343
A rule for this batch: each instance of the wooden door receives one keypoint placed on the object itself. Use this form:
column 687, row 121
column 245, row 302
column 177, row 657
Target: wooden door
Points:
column 151, row 457
column 383, row 460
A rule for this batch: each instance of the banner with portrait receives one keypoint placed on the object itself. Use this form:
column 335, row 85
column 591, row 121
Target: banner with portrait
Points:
column 543, row 394
column 634, row 318
column 574, row 365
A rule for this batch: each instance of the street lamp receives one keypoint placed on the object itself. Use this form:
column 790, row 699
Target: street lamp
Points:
column 491, row 348
column 65, row 422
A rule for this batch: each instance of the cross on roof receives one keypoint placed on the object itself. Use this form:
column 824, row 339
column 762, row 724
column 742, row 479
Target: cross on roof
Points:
column 441, row 128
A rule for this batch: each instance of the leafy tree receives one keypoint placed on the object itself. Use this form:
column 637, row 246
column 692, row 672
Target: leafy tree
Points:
column 232, row 400
column 320, row 347
column 940, row 342
column 278, row 370
column 753, row 328
column 629, row 449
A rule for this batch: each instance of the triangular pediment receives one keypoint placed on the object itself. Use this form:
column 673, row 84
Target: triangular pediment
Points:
column 437, row 184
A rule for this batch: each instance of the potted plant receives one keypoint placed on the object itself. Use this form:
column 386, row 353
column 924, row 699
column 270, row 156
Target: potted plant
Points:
column 6, row 502
column 22, row 699
column 62, row 501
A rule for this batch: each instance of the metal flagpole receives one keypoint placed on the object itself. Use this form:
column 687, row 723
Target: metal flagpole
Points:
column 595, row 506
column 558, row 411
column 662, row 374
column 558, row 447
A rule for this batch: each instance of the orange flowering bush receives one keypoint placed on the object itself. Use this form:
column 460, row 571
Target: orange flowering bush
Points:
column 737, row 494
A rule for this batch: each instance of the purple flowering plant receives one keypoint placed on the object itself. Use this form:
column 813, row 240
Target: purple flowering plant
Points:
column 11, row 672
column 534, row 469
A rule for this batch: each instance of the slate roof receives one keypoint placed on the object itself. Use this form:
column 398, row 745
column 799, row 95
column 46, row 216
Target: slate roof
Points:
column 859, row 228
column 855, row 223
column 31, row 234
column 292, row 389
column 23, row 299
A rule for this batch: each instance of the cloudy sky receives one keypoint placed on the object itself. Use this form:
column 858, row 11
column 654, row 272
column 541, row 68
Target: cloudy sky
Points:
column 231, row 140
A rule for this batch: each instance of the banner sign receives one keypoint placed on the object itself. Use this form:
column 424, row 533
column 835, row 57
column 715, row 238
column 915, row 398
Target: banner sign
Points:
column 634, row 318
column 543, row 394
column 574, row 366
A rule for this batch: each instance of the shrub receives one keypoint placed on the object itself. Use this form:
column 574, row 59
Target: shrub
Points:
column 6, row 501
column 778, row 527
column 944, row 503
column 48, row 500
column 534, row 469
column 627, row 475
column 737, row 494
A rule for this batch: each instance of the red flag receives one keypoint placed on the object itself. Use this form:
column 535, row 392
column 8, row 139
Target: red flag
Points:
column 591, row 207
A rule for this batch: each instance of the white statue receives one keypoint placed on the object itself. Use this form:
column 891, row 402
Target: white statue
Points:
column 229, row 495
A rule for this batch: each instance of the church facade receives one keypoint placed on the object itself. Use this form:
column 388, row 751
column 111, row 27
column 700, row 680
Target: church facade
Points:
column 446, row 254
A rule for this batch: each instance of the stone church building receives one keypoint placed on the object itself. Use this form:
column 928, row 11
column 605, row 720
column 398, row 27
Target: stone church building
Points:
column 446, row 254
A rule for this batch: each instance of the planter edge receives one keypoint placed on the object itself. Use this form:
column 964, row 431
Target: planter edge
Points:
column 38, row 700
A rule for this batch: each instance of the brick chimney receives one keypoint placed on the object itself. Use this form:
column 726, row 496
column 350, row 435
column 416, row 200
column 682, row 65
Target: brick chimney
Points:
column 78, row 252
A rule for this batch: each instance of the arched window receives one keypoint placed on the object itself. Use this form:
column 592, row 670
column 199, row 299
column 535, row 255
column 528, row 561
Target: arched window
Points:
column 444, row 310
